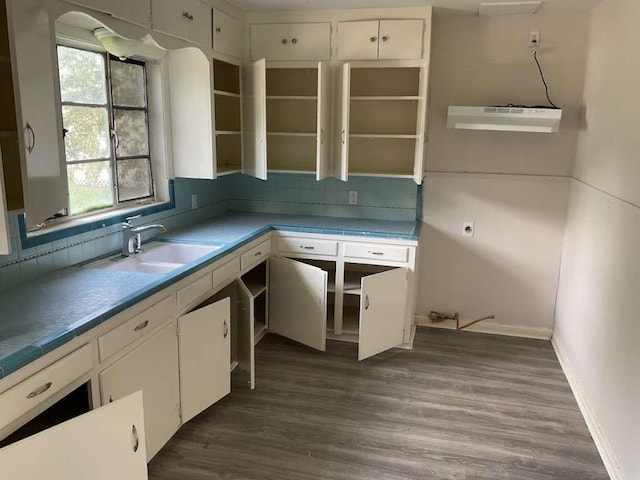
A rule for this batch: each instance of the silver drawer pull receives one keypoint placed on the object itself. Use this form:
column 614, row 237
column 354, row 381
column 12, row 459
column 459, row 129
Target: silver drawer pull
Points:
column 40, row 390
column 258, row 254
column 376, row 253
column 366, row 302
column 385, row 38
column 218, row 29
column 373, row 39
column 306, row 247
column 142, row 326
column 135, row 439
column 225, row 331
column 32, row 143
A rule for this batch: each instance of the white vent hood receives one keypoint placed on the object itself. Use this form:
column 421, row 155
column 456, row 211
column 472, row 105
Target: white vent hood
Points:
column 507, row 119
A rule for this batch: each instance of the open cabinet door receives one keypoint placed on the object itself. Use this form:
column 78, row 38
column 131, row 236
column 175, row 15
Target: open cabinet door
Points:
column 382, row 312
column 246, row 334
column 298, row 302
column 105, row 444
column 421, row 129
column 341, row 139
column 39, row 116
column 323, row 157
column 204, row 348
column 254, row 119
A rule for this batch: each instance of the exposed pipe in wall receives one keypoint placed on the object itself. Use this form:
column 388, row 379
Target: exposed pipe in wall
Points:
column 437, row 317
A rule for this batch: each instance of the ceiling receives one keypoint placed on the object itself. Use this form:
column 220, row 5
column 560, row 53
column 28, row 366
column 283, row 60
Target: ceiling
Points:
column 463, row 5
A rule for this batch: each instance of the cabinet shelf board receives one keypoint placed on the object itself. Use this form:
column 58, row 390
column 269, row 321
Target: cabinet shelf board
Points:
column 377, row 135
column 226, row 94
column 291, row 97
column 385, row 98
column 256, row 288
column 260, row 331
column 292, row 134
column 228, row 132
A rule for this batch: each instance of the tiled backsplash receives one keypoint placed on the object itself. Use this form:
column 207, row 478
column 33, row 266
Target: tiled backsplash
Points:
column 378, row 198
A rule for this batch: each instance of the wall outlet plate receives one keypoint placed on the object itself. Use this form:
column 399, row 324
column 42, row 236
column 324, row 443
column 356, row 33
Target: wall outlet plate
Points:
column 353, row 198
column 534, row 39
column 468, row 229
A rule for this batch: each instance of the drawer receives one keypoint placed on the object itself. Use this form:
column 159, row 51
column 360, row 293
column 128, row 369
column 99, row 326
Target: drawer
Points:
column 307, row 245
column 390, row 253
column 255, row 255
column 136, row 328
column 194, row 291
column 226, row 271
column 33, row 391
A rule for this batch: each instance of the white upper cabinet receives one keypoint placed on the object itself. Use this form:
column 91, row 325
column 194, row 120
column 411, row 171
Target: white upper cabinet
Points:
column 5, row 243
column 38, row 113
column 380, row 40
column 291, row 41
column 107, row 443
column 187, row 19
column 227, row 34
column 134, row 11
column 400, row 39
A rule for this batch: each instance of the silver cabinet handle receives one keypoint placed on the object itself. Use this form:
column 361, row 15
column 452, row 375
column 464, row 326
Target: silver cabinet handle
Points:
column 373, row 39
column 306, row 247
column 188, row 16
column 294, row 40
column 321, row 136
column 377, row 253
column 343, row 136
column 218, row 29
column 225, row 330
column 40, row 390
column 285, row 41
column 116, row 139
column 135, row 439
column 142, row 326
column 258, row 254
column 385, row 38
column 32, row 143
column 366, row 302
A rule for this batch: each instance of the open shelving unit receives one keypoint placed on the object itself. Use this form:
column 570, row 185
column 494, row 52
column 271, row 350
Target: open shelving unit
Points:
column 228, row 117
column 255, row 282
column 292, row 119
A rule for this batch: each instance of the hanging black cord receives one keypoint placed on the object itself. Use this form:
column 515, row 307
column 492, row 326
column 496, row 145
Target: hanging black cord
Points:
column 546, row 87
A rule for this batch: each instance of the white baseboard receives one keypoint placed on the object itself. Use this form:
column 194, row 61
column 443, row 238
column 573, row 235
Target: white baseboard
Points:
column 491, row 328
column 605, row 450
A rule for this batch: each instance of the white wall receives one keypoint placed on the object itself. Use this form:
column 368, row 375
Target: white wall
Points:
column 597, row 328
column 510, row 267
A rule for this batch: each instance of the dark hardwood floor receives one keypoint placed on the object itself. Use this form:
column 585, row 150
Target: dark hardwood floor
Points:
column 460, row 405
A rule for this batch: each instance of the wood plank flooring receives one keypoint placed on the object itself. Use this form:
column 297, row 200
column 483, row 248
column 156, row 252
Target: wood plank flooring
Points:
column 461, row 405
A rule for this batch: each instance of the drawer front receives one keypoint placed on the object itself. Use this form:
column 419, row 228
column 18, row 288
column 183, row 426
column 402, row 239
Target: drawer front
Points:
column 226, row 271
column 372, row 251
column 195, row 290
column 306, row 245
column 136, row 328
column 255, row 255
column 31, row 392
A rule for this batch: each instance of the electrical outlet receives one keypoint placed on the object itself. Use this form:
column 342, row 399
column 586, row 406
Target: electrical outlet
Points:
column 353, row 198
column 468, row 228
column 534, row 39
column 194, row 201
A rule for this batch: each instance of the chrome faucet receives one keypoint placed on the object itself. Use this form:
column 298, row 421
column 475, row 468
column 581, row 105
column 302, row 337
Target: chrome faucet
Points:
column 131, row 239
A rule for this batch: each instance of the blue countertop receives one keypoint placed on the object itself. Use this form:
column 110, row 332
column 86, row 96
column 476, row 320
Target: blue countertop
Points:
column 39, row 317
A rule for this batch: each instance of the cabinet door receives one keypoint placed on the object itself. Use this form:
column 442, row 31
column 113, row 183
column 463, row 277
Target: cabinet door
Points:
column 227, row 34
column 291, row 41
column 107, row 443
column 418, row 165
column 246, row 333
column 254, row 119
column 382, row 312
column 205, row 357
column 358, row 40
column 188, row 19
column 5, row 243
column 400, row 39
column 152, row 368
column 138, row 12
column 38, row 112
column 298, row 302
column 323, row 156
column 340, row 168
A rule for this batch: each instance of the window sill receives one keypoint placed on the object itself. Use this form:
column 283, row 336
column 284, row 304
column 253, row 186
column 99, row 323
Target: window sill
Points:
column 87, row 223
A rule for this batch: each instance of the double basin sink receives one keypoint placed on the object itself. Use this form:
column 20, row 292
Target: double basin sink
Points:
column 156, row 257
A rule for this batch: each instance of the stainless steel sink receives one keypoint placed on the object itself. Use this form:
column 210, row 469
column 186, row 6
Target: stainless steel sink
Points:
column 156, row 257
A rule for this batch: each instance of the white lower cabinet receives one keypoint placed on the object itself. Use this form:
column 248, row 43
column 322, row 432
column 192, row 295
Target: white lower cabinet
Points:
column 106, row 444
column 205, row 357
column 153, row 368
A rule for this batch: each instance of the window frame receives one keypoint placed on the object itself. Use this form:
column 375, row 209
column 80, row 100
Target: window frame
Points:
column 113, row 138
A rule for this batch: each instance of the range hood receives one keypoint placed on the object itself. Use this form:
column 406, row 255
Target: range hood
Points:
column 506, row 119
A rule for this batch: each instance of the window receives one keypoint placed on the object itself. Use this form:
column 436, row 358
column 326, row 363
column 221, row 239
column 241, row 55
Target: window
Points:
column 105, row 117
